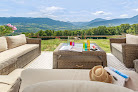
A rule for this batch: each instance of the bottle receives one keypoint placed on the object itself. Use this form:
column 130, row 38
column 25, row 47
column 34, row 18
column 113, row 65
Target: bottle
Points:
column 68, row 41
column 73, row 43
column 88, row 45
column 85, row 46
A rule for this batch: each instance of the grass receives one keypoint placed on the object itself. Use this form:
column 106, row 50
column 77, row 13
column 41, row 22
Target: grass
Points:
column 51, row 45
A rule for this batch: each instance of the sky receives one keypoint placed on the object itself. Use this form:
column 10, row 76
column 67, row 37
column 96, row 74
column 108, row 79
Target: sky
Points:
column 69, row 10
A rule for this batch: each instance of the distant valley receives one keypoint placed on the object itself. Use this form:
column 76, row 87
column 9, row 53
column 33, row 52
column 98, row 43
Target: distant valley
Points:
column 26, row 24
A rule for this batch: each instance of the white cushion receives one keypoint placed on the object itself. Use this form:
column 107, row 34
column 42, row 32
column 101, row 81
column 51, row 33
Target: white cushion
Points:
column 31, row 76
column 131, row 39
column 75, row 86
column 3, row 44
column 118, row 46
column 15, row 41
column 16, row 52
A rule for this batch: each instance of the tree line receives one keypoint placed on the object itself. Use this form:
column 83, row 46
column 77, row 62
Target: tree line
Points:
column 101, row 30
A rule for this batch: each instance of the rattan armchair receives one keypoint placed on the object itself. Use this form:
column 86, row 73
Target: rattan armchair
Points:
column 128, row 52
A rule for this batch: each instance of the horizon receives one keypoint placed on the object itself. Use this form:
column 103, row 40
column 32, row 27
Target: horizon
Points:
column 64, row 21
column 69, row 10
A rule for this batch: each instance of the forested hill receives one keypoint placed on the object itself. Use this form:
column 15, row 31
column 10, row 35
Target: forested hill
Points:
column 87, row 23
column 115, row 22
column 48, row 21
column 25, row 24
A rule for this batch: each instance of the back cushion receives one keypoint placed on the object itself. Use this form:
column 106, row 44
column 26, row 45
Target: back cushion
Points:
column 75, row 86
column 3, row 44
column 15, row 41
column 131, row 39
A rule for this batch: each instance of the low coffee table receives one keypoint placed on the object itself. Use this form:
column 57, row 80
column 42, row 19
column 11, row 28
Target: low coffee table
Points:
column 78, row 60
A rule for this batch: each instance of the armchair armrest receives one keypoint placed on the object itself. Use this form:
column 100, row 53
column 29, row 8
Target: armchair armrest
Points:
column 130, row 53
column 56, row 56
column 136, row 65
column 34, row 41
column 117, row 40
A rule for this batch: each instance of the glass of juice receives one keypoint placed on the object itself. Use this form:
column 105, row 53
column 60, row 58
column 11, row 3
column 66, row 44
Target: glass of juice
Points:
column 71, row 43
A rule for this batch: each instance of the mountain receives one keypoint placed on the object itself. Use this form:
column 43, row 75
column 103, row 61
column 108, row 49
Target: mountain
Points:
column 115, row 22
column 35, row 24
column 97, row 20
column 30, row 24
column 87, row 23
column 47, row 21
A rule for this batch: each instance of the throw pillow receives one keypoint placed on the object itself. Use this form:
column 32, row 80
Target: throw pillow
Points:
column 3, row 44
column 131, row 39
column 15, row 41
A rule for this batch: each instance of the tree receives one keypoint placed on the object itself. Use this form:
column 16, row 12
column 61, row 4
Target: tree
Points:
column 49, row 32
column 41, row 33
column 125, row 27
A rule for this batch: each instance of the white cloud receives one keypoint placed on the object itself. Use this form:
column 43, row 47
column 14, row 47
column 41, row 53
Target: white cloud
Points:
column 46, row 11
column 135, row 9
column 50, row 10
column 101, row 13
column 123, row 15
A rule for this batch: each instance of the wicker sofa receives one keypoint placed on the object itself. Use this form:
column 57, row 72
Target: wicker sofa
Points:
column 18, row 53
column 125, row 49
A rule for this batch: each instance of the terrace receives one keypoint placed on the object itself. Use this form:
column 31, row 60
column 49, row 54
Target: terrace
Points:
column 32, row 59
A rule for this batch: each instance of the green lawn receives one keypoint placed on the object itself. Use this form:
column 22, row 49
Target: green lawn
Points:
column 50, row 45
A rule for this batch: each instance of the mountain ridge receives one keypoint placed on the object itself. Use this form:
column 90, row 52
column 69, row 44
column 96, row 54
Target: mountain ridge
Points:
column 30, row 24
column 115, row 22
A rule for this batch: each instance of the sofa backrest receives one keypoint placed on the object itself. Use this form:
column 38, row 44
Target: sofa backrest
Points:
column 131, row 39
column 75, row 86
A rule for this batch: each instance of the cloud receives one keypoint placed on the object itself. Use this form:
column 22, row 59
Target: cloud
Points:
column 46, row 11
column 51, row 9
column 124, row 15
column 101, row 13
column 135, row 9
column 4, row 10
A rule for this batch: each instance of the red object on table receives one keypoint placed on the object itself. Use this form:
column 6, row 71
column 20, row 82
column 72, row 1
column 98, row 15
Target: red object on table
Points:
column 94, row 46
column 71, row 43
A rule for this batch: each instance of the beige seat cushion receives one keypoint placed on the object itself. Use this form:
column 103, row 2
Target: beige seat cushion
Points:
column 3, row 44
column 15, row 41
column 75, row 86
column 7, row 81
column 131, row 39
column 118, row 46
column 16, row 52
